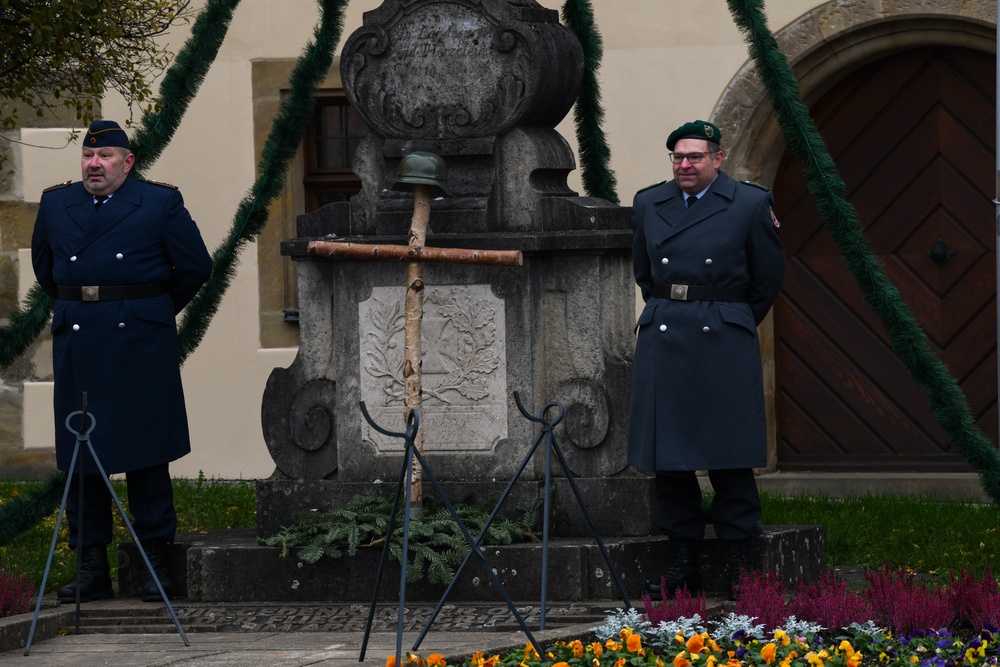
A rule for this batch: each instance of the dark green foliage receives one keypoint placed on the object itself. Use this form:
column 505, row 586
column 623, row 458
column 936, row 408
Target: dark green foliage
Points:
column 436, row 544
column 57, row 54
column 201, row 505
column 595, row 154
column 24, row 511
column 182, row 81
column 925, row 534
column 282, row 143
column 908, row 340
column 24, row 325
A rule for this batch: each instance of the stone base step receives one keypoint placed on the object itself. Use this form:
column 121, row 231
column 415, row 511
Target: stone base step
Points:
column 229, row 566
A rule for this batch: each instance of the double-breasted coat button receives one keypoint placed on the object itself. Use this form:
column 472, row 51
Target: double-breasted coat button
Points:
column 708, row 262
column 663, row 327
column 664, row 261
column 121, row 325
column 73, row 258
column 119, row 256
column 706, row 329
column 76, row 327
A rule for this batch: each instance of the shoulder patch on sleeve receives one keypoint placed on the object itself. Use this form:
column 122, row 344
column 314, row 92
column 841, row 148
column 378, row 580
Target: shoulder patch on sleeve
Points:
column 756, row 185
column 161, row 184
column 57, row 186
column 650, row 186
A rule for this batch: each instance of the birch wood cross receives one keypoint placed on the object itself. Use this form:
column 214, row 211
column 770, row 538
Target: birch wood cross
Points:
column 430, row 175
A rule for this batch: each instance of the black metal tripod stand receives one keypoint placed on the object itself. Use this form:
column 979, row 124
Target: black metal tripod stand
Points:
column 550, row 446
column 83, row 436
column 405, row 478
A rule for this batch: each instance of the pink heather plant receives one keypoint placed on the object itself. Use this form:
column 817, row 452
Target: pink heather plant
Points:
column 976, row 602
column 902, row 604
column 16, row 593
column 828, row 602
column 762, row 594
column 682, row 605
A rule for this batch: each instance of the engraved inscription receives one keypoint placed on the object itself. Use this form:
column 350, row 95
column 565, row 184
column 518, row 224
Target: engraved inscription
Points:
column 464, row 381
column 444, row 72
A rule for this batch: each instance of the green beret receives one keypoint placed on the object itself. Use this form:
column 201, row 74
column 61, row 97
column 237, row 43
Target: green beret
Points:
column 698, row 129
column 105, row 133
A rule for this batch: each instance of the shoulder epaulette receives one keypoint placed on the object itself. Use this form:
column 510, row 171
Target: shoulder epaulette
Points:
column 650, row 186
column 57, row 186
column 757, row 185
column 162, row 184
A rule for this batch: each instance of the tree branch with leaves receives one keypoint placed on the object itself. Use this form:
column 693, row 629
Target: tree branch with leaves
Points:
column 69, row 53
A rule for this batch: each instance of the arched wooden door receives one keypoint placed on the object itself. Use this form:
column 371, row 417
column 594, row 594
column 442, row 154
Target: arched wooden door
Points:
column 913, row 137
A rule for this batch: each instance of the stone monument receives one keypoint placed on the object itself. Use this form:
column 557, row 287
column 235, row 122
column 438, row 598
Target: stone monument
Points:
column 482, row 84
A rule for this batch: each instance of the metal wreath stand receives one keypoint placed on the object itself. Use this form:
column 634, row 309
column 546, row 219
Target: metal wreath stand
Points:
column 83, row 436
column 411, row 452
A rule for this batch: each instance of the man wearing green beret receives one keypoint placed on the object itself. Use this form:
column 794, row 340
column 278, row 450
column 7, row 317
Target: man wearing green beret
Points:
column 121, row 256
column 709, row 263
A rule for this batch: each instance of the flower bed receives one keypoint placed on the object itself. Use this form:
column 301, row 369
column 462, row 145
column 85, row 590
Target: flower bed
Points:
column 907, row 621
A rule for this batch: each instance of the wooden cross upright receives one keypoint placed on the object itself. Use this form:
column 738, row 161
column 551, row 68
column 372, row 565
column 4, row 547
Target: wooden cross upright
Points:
column 421, row 173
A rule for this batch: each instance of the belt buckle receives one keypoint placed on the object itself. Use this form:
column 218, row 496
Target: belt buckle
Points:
column 90, row 293
column 679, row 292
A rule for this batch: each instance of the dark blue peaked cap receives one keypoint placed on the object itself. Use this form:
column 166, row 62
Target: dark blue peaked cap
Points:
column 105, row 133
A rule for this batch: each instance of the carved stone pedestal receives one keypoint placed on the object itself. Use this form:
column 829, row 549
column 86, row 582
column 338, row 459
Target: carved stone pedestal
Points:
column 482, row 84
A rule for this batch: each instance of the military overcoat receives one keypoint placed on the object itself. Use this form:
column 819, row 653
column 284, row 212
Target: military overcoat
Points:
column 123, row 353
column 697, row 400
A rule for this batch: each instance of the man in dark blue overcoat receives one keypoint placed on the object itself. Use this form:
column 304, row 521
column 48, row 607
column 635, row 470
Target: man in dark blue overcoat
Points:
column 121, row 256
column 709, row 264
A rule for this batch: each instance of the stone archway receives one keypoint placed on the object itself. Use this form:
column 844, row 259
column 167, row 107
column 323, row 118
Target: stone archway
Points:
column 826, row 46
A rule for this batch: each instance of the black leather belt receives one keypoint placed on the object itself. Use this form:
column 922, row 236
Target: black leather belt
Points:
column 698, row 293
column 111, row 292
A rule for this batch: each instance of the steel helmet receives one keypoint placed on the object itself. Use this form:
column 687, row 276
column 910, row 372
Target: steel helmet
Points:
column 421, row 168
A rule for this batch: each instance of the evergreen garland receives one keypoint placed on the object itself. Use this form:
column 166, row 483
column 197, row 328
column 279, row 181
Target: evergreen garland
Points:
column 282, row 143
column 598, row 178
column 21, row 513
column 24, row 325
column 182, row 81
column 908, row 340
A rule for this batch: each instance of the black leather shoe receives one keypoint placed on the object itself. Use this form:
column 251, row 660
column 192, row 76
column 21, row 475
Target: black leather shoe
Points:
column 93, row 577
column 158, row 555
column 738, row 557
column 682, row 573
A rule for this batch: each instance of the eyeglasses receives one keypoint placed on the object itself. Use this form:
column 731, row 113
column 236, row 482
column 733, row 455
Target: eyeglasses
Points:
column 693, row 158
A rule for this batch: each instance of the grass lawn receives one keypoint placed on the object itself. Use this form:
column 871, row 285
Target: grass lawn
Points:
column 921, row 534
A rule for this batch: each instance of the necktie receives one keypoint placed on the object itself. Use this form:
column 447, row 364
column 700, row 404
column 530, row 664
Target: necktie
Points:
column 691, row 201
column 99, row 201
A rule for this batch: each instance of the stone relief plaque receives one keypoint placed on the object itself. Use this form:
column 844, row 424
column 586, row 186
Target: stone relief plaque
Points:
column 464, row 380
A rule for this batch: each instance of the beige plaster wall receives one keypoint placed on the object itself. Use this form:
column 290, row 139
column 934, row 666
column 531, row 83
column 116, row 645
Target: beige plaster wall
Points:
column 666, row 62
